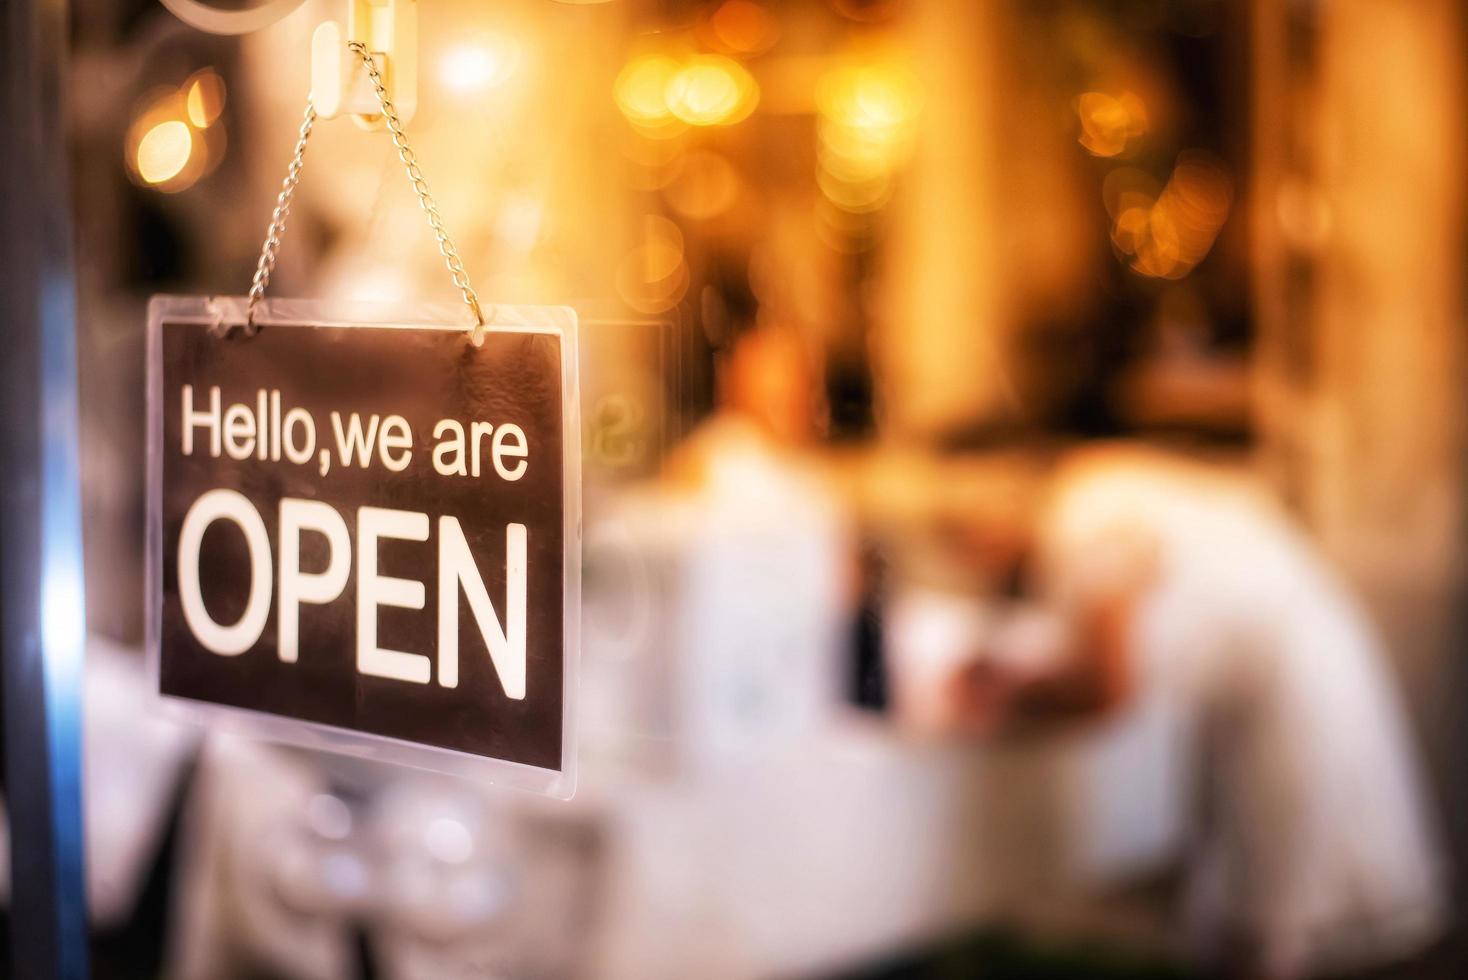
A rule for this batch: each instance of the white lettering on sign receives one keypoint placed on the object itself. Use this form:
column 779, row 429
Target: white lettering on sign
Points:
column 229, row 505
column 297, row 452
column 375, row 590
column 266, row 431
column 297, row 586
column 354, row 440
column 506, row 642
column 509, row 440
column 209, row 419
column 396, row 444
column 240, row 432
column 453, row 444
column 452, row 458
column 364, row 529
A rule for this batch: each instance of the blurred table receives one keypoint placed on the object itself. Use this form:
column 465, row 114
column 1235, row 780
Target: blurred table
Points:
column 862, row 842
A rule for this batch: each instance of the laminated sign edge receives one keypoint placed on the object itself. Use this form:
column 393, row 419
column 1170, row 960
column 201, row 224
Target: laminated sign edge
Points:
column 490, row 730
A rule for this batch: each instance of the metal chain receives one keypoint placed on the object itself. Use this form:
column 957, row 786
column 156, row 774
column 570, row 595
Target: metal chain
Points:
column 446, row 248
column 266, row 265
column 420, row 187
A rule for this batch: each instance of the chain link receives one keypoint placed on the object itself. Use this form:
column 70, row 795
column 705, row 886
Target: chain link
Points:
column 266, row 265
column 455, row 265
column 420, row 187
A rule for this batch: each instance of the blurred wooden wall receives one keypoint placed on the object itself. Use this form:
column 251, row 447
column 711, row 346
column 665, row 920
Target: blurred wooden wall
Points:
column 1358, row 223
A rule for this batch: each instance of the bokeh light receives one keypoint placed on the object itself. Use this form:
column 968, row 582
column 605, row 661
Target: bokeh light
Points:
column 711, row 90
column 204, row 98
column 176, row 136
column 661, row 95
column 164, row 151
column 641, row 94
column 868, row 116
column 653, row 276
column 1164, row 234
column 1110, row 124
column 476, row 66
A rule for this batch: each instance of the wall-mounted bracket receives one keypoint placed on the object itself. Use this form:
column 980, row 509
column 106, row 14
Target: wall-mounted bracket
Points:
column 339, row 82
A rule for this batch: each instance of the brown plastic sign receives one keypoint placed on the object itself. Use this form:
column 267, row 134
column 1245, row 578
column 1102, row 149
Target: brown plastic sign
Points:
column 365, row 531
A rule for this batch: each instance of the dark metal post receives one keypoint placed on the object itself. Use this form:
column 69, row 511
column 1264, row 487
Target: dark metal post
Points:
column 41, row 610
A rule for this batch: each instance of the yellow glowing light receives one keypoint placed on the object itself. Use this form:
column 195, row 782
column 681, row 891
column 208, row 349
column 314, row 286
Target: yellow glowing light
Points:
column 204, row 98
column 847, row 155
column 876, row 106
column 711, row 90
column 1168, row 233
column 866, row 127
column 640, row 87
column 1109, row 123
column 653, row 277
column 1131, row 228
column 877, row 101
column 1200, row 186
column 164, row 151
column 175, row 136
column 858, row 197
column 478, row 65
column 1161, row 252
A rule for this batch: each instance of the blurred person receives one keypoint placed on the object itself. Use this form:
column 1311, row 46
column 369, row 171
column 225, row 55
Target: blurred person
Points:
column 760, row 615
column 767, row 404
column 1136, row 578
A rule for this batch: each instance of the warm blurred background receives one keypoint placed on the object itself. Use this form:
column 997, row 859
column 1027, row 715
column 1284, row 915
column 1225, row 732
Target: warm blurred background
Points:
column 1024, row 487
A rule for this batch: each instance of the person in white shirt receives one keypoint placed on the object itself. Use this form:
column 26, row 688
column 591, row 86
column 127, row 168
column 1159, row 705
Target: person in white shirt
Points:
column 1170, row 580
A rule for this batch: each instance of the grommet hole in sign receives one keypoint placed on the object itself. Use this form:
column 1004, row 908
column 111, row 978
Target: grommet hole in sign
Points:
column 265, row 266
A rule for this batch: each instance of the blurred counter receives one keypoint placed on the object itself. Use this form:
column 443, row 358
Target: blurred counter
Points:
column 837, row 849
column 862, row 842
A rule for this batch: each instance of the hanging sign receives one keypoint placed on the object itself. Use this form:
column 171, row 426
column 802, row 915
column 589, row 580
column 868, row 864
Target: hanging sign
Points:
column 364, row 529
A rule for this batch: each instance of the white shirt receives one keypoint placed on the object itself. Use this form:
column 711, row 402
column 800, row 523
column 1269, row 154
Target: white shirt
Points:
column 1320, row 847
